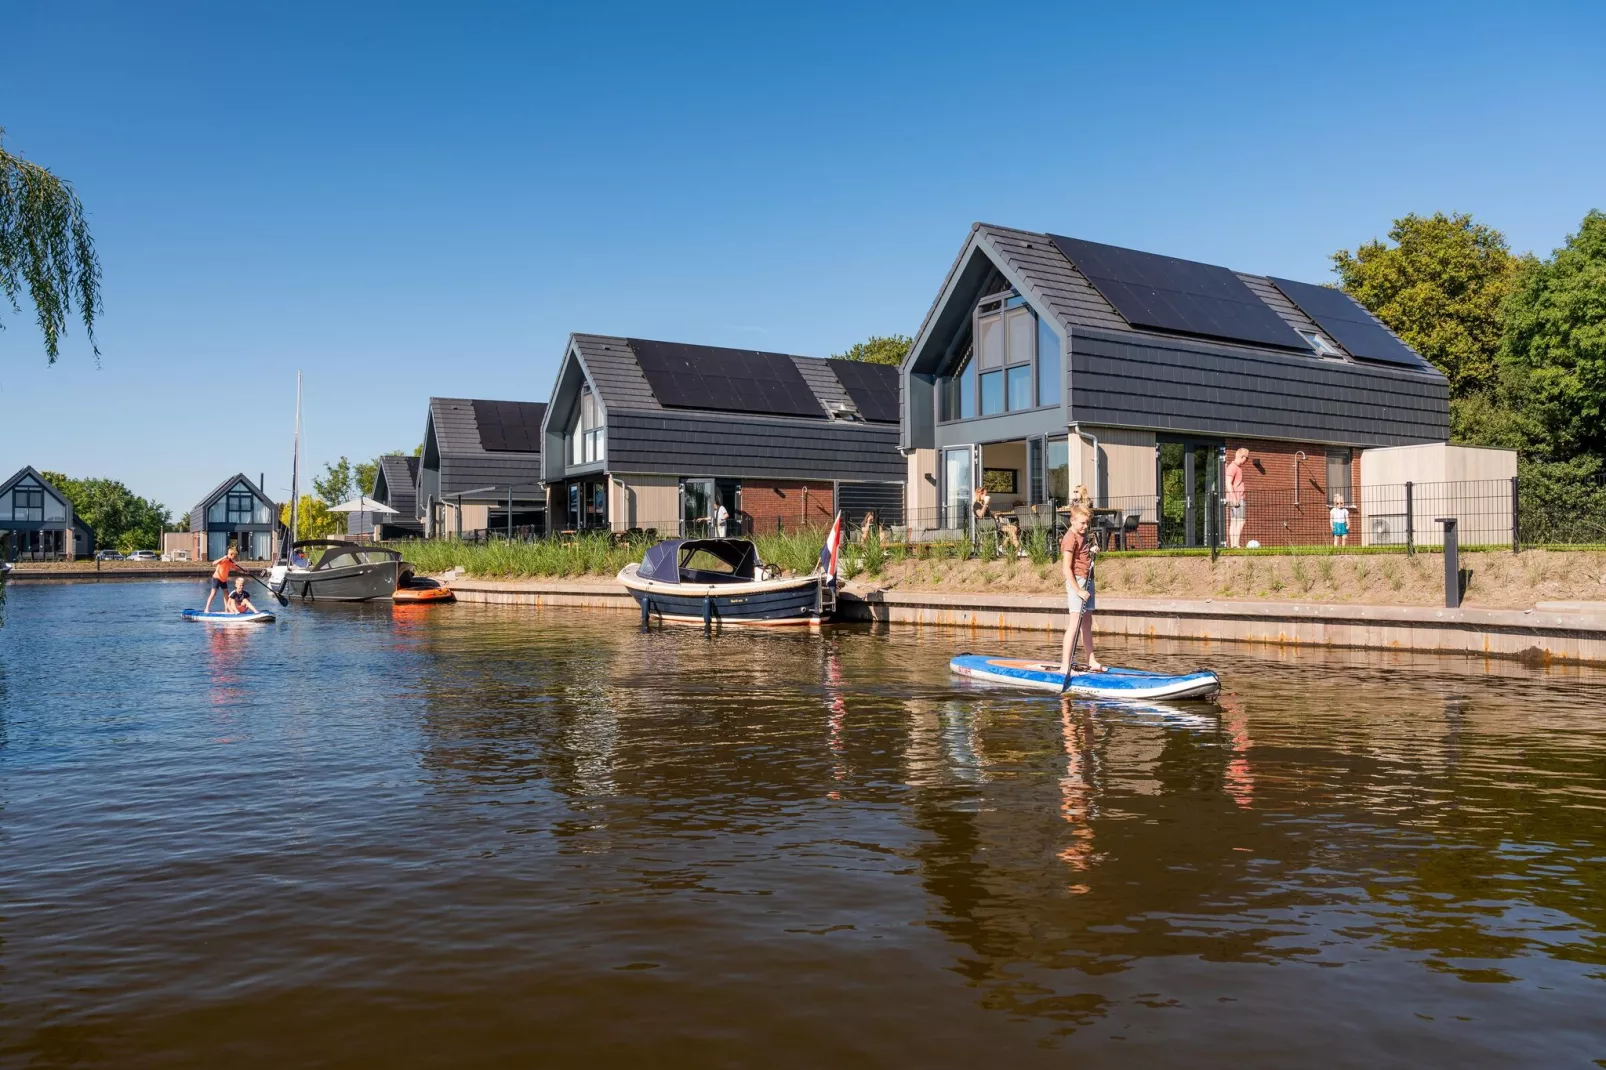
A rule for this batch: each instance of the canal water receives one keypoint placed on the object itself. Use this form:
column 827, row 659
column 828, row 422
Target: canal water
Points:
column 479, row 837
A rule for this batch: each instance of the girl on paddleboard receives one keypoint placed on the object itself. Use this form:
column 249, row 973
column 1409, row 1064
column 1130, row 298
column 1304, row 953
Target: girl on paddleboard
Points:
column 1076, row 562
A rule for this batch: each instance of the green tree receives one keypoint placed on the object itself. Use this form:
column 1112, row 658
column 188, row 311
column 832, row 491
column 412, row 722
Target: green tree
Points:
column 1555, row 343
column 313, row 519
column 1440, row 286
column 334, row 486
column 879, row 349
column 46, row 250
column 119, row 518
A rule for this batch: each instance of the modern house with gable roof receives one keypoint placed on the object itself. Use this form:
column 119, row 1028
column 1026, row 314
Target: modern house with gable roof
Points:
column 396, row 485
column 654, row 435
column 37, row 522
column 481, row 468
column 236, row 513
column 1048, row 362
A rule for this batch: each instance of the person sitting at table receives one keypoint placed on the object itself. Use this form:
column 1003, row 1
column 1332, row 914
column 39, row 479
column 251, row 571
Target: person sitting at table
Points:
column 868, row 527
column 981, row 503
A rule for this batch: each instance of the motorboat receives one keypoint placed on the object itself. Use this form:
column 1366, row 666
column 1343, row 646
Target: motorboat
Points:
column 716, row 582
column 342, row 572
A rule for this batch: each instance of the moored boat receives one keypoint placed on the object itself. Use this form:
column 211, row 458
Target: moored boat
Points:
column 343, row 572
column 720, row 581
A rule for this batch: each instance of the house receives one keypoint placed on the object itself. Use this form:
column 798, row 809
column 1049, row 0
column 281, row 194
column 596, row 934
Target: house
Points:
column 396, row 485
column 655, row 435
column 1049, row 362
column 480, row 469
column 37, row 522
column 236, row 513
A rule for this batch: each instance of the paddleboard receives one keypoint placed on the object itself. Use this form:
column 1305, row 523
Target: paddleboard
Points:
column 1113, row 683
column 260, row 617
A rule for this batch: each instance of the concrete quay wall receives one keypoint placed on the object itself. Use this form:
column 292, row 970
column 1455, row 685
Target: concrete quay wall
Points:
column 1561, row 632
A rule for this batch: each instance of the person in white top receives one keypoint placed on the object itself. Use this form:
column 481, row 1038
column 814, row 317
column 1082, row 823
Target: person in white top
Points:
column 718, row 520
column 1340, row 518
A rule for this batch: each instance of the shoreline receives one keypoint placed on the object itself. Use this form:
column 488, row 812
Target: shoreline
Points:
column 1549, row 633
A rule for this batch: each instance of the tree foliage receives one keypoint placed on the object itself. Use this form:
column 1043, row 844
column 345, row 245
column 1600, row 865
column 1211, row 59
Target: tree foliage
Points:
column 1555, row 342
column 119, row 518
column 45, row 249
column 313, row 519
column 1440, row 286
column 879, row 349
column 334, row 486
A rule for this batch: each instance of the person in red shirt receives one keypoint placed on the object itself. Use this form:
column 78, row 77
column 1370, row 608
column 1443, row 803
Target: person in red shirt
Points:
column 1235, row 497
column 222, row 568
column 1076, row 563
column 237, row 601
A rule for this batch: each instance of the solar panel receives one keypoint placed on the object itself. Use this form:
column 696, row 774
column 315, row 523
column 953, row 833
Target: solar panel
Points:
column 873, row 388
column 509, row 426
column 725, row 380
column 1184, row 296
column 1350, row 325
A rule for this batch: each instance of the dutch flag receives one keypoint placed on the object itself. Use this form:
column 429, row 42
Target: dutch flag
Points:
column 832, row 551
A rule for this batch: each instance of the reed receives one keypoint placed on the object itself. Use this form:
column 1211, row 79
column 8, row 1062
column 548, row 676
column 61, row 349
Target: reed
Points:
column 587, row 555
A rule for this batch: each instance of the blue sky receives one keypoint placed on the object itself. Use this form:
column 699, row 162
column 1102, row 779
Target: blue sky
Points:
column 409, row 199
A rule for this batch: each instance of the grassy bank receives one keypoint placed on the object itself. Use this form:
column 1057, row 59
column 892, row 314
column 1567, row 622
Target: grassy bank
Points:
column 585, row 555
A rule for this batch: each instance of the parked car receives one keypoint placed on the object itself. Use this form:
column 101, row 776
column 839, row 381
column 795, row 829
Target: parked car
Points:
column 108, row 555
column 144, row 555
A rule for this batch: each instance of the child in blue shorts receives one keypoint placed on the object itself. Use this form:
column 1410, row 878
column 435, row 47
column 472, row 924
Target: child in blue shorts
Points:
column 1340, row 515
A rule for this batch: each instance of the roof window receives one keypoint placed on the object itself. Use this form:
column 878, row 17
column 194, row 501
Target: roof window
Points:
column 1320, row 343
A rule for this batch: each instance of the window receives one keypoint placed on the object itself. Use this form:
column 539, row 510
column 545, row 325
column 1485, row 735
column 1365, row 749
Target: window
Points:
column 1018, row 387
column 999, row 480
column 1059, row 469
column 28, row 502
column 1034, row 470
column 956, row 487
column 1048, row 365
column 1338, row 475
column 587, row 438
column 1320, row 344
column 239, row 506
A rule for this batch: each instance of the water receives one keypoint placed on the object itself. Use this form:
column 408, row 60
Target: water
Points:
column 481, row 837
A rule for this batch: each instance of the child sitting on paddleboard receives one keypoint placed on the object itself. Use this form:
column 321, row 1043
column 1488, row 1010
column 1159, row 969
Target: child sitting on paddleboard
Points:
column 1340, row 517
column 1076, row 562
column 236, row 601
column 222, row 568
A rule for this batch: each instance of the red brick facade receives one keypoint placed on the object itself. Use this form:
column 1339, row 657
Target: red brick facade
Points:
column 772, row 506
column 1272, row 516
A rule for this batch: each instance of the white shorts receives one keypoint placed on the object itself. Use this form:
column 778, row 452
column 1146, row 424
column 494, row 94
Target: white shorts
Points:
column 1074, row 604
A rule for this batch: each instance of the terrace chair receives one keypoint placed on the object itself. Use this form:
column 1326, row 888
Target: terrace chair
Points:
column 1128, row 528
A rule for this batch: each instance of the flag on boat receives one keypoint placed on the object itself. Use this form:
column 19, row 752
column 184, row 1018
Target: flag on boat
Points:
column 831, row 552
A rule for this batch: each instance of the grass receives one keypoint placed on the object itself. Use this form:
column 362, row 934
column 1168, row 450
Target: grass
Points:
column 597, row 555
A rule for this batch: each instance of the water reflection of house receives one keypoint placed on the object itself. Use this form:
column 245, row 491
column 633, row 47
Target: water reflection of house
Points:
column 1047, row 362
column 37, row 522
column 236, row 513
column 643, row 434
column 481, row 468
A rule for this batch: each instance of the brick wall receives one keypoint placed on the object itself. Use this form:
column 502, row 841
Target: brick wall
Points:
column 768, row 504
column 1271, row 516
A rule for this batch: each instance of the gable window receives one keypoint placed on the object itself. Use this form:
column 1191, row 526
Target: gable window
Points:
column 1013, row 363
column 28, row 502
column 239, row 506
column 587, row 436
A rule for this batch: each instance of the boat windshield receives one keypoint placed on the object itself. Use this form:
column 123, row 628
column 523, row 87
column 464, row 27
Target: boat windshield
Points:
column 346, row 557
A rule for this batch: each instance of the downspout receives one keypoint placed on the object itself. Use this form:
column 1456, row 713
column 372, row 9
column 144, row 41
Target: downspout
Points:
column 1088, row 436
column 1299, row 456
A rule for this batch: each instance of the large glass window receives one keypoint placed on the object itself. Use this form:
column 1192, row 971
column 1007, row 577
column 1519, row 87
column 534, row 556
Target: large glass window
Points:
column 956, row 487
column 1048, row 364
column 28, row 503
column 240, row 505
column 1018, row 386
column 1059, row 469
column 587, row 436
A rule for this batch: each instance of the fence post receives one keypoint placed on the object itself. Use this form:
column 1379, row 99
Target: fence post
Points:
column 1410, row 521
column 1516, row 512
column 1213, row 525
column 1452, row 562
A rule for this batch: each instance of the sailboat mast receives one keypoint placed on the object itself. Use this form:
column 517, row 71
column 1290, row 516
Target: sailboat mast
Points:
column 295, row 474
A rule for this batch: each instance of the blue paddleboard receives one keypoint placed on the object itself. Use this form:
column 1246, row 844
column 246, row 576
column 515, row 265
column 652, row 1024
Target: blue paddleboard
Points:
column 1112, row 683
column 259, row 617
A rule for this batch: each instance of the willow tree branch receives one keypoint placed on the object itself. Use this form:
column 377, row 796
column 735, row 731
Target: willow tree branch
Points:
column 46, row 250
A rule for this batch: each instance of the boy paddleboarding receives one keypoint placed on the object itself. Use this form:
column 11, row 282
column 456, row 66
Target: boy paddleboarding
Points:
column 222, row 569
column 1076, row 563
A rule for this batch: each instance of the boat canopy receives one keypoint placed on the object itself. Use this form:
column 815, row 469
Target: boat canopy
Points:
column 343, row 554
column 681, row 561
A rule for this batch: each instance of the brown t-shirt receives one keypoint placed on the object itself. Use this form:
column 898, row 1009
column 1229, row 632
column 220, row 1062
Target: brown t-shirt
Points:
column 1081, row 551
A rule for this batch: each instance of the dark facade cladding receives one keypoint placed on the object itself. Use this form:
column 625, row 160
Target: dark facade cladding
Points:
column 752, row 447
column 237, row 513
column 35, row 518
column 396, row 485
column 455, row 462
column 1172, row 385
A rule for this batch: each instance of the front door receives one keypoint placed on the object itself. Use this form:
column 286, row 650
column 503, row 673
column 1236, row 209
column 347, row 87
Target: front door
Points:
column 1190, row 481
column 697, row 503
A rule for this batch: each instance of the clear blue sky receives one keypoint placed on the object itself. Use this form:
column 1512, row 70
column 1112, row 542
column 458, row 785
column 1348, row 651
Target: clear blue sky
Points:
column 409, row 199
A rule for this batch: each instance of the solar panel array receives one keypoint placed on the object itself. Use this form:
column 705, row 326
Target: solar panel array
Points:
column 873, row 388
column 725, row 380
column 1350, row 325
column 1184, row 296
column 510, row 426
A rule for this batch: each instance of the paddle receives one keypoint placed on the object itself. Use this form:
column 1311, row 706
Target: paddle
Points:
column 281, row 599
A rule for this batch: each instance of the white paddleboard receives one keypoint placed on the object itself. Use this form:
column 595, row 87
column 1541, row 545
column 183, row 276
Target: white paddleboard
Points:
column 259, row 617
column 1112, row 683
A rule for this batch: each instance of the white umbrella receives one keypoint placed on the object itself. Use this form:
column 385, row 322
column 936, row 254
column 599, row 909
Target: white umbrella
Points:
column 361, row 505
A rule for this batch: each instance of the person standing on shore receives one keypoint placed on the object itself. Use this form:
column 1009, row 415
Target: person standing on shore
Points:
column 1076, row 563
column 222, row 568
column 1340, row 519
column 1235, row 497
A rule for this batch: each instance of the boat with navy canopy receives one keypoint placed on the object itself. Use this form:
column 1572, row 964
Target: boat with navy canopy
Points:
column 342, row 572
column 721, row 581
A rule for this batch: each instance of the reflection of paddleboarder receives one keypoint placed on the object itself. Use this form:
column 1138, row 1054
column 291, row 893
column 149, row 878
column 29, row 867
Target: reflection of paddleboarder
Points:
column 222, row 568
column 1076, row 562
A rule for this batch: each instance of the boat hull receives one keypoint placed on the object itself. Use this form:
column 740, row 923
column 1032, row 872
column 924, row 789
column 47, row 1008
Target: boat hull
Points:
column 795, row 602
column 1112, row 684
column 354, row 583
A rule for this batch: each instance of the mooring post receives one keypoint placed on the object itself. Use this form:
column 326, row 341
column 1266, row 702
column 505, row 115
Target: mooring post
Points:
column 708, row 615
column 1452, row 562
column 1410, row 521
column 646, row 613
